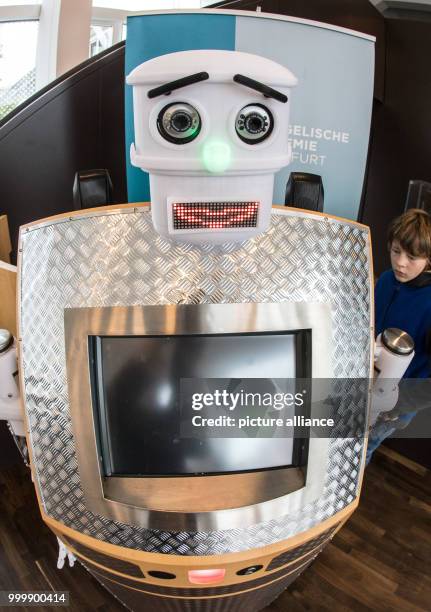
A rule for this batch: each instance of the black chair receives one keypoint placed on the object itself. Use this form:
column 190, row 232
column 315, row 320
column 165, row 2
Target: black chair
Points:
column 305, row 190
column 419, row 196
column 92, row 188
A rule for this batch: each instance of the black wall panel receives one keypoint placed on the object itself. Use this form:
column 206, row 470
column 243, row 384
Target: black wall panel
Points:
column 401, row 145
column 76, row 123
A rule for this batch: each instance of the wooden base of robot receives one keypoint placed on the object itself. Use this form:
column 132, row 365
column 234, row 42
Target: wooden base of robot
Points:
column 161, row 582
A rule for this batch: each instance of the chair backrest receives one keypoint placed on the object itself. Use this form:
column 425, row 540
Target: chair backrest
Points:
column 419, row 196
column 92, row 188
column 305, row 190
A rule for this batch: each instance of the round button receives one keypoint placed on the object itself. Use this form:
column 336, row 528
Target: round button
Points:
column 161, row 575
column 398, row 341
column 246, row 571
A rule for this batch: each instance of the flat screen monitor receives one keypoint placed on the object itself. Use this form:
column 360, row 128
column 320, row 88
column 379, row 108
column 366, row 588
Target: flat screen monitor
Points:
column 136, row 389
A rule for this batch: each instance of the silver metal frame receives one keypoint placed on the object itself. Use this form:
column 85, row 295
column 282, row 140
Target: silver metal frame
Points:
column 186, row 319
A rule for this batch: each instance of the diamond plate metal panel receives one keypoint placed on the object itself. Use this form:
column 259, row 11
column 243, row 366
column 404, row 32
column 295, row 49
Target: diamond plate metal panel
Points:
column 112, row 563
column 117, row 259
column 301, row 550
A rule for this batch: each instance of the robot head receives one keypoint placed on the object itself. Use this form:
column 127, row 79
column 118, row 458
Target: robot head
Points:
column 211, row 128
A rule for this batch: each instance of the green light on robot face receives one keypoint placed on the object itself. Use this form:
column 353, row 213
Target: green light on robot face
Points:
column 216, row 157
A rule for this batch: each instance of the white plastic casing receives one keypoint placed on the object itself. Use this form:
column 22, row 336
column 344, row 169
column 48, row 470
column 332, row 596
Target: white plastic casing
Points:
column 391, row 368
column 10, row 409
column 178, row 171
column 390, row 365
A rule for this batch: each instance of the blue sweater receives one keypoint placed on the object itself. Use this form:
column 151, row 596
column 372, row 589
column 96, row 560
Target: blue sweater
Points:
column 408, row 307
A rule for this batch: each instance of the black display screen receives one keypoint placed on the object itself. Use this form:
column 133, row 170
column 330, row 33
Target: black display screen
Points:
column 136, row 385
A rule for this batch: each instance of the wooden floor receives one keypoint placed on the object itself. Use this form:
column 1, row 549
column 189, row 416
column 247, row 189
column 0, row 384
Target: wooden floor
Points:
column 381, row 559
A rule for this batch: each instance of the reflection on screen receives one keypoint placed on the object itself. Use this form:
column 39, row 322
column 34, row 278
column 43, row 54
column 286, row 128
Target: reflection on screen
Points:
column 138, row 401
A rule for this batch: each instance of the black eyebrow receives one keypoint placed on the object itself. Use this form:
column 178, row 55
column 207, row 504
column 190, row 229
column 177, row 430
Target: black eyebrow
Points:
column 267, row 91
column 168, row 87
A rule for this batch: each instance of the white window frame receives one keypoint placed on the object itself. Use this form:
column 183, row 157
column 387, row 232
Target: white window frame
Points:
column 47, row 14
column 15, row 13
column 20, row 12
column 110, row 17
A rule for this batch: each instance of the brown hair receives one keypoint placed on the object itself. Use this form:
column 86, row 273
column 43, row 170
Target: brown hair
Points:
column 413, row 231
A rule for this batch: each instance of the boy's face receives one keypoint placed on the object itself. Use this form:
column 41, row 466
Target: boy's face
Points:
column 406, row 266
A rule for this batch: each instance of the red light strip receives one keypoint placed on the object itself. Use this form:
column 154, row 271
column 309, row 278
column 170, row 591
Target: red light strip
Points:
column 214, row 215
column 207, row 576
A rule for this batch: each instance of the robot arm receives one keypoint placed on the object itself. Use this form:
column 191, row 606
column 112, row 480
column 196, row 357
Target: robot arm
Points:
column 10, row 409
column 393, row 353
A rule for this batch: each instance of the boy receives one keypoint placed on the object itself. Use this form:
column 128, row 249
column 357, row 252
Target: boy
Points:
column 403, row 300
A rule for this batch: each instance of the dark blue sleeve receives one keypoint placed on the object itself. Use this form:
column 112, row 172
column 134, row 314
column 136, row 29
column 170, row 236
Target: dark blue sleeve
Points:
column 382, row 296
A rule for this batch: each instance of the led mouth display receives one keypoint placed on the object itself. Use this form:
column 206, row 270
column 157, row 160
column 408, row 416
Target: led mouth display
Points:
column 214, row 215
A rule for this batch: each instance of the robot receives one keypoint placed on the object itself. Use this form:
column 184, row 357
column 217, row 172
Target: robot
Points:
column 209, row 262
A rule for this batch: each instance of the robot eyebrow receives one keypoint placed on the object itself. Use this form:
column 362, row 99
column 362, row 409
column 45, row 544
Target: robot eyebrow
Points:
column 167, row 88
column 267, row 91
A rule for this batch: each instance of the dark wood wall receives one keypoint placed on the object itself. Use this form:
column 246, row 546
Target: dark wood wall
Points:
column 401, row 138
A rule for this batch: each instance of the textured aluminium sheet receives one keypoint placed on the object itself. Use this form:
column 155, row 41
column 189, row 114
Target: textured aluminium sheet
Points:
column 117, row 259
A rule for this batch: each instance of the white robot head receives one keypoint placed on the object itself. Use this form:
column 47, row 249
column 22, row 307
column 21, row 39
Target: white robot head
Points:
column 211, row 128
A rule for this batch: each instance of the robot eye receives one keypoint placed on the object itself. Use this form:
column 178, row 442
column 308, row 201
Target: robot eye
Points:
column 254, row 123
column 179, row 123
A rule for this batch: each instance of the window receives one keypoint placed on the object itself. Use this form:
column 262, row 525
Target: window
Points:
column 15, row 3
column 20, row 76
column 18, row 42
column 108, row 26
column 101, row 37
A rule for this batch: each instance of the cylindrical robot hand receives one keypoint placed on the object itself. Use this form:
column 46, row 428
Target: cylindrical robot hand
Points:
column 393, row 354
column 9, row 392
